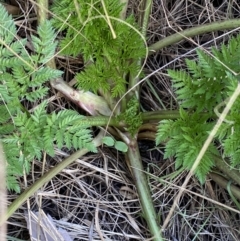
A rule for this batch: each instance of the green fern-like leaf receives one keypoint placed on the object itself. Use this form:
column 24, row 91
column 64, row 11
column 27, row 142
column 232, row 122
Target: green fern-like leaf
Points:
column 132, row 116
column 66, row 124
column 7, row 27
column 26, row 75
column 90, row 21
column 94, row 77
column 205, row 86
column 205, row 83
column 228, row 55
column 14, row 165
column 39, row 131
column 22, row 77
column 164, row 131
column 231, row 145
column 184, row 138
column 45, row 45
column 111, row 59
column 206, row 165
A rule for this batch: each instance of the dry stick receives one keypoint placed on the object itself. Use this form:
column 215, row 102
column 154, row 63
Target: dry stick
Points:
column 98, row 228
column 202, row 152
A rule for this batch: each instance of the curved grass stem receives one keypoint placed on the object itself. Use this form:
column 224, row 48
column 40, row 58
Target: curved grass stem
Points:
column 194, row 31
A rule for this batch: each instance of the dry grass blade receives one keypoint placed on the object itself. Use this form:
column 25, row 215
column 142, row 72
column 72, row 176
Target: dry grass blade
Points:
column 41, row 227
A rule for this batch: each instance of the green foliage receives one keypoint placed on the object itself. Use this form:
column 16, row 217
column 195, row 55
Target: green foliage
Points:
column 131, row 116
column 203, row 90
column 185, row 138
column 110, row 60
column 207, row 80
column 107, row 140
column 41, row 131
column 26, row 134
column 119, row 145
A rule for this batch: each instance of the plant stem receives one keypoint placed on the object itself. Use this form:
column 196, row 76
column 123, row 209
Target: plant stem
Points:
column 88, row 101
column 194, row 31
column 153, row 116
column 49, row 175
column 147, row 135
column 124, row 10
column 101, row 121
column 222, row 182
column 42, row 13
column 143, row 190
column 225, row 168
column 160, row 115
column 146, row 11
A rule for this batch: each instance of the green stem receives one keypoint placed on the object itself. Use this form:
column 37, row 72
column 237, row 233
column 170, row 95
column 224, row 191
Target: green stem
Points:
column 42, row 13
column 87, row 100
column 225, row 168
column 143, row 190
column 146, row 10
column 160, row 115
column 222, row 182
column 101, row 121
column 124, row 10
column 194, row 31
column 154, row 116
column 49, row 175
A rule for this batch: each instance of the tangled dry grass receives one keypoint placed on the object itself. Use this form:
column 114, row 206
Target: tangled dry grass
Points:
column 95, row 198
